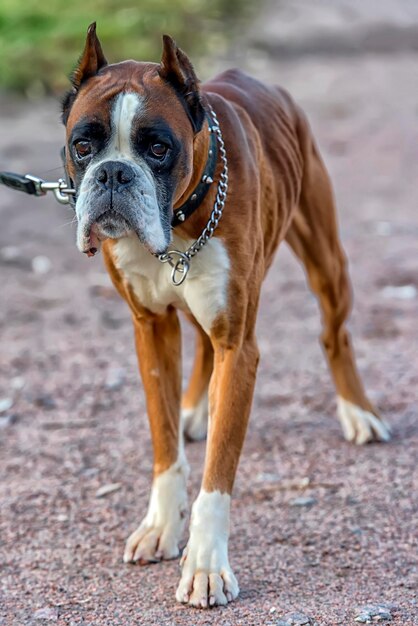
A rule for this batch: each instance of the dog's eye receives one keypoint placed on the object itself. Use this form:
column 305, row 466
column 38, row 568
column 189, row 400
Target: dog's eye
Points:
column 82, row 149
column 158, row 150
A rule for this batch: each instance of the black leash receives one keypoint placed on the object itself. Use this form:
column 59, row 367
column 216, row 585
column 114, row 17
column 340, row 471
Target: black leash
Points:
column 35, row 186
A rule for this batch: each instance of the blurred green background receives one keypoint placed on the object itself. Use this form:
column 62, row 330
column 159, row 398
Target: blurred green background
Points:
column 41, row 40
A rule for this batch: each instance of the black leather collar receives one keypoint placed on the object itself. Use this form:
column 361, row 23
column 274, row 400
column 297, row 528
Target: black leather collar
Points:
column 198, row 194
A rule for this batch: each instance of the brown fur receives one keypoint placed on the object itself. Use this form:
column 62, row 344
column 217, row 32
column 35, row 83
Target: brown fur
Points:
column 279, row 189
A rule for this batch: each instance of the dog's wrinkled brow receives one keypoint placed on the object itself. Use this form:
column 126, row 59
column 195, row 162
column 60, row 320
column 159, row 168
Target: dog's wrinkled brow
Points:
column 89, row 130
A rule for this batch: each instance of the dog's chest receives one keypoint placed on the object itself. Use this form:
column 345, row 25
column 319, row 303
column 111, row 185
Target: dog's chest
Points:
column 203, row 293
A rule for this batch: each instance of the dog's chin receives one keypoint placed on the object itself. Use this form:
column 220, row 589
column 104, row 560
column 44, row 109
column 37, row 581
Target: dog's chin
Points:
column 111, row 225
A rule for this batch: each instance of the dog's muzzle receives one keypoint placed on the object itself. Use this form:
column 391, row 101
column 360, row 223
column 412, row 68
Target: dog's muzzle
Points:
column 116, row 199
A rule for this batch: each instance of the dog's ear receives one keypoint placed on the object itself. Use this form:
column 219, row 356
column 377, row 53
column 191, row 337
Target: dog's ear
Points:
column 176, row 69
column 91, row 61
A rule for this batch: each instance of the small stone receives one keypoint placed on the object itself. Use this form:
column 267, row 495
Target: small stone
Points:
column 296, row 619
column 17, row 383
column 383, row 229
column 402, row 292
column 303, row 501
column 110, row 321
column 273, row 609
column 8, row 254
column 61, row 517
column 105, row 490
column 45, row 401
column 5, row 404
column 12, row 255
column 115, row 378
column 8, row 420
column 47, row 613
column 41, row 264
column 373, row 613
column 90, row 471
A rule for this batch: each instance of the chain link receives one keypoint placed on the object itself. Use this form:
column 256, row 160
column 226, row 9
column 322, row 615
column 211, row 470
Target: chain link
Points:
column 181, row 266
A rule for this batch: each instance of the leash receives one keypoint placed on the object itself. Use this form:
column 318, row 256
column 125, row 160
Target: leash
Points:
column 179, row 261
column 35, row 186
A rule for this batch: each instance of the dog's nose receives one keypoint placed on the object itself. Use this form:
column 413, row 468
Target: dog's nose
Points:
column 115, row 175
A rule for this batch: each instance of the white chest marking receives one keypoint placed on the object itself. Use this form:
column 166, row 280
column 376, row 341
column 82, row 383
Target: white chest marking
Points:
column 203, row 293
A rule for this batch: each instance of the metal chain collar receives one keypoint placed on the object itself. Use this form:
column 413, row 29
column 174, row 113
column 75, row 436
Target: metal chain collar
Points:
column 181, row 266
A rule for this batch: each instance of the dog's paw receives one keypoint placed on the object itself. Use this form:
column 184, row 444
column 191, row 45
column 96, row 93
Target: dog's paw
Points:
column 360, row 426
column 159, row 534
column 150, row 544
column 207, row 578
column 195, row 420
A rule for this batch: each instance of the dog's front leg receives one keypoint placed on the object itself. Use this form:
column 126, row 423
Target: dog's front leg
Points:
column 207, row 578
column 158, row 345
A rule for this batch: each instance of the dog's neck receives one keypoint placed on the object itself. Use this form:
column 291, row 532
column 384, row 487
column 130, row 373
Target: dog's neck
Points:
column 200, row 158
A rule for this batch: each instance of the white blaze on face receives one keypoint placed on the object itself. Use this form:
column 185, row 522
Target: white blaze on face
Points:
column 141, row 203
column 126, row 108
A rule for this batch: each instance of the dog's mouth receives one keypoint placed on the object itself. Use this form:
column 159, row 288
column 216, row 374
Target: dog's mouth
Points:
column 112, row 225
column 109, row 225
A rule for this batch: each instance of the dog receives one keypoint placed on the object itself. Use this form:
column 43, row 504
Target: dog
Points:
column 189, row 188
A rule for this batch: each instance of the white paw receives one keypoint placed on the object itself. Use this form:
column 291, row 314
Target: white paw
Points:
column 207, row 578
column 195, row 420
column 360, row 426
column 160, row 532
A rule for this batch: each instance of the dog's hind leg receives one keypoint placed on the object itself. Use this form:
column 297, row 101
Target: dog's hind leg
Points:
column 195, row 401
column 313, row 236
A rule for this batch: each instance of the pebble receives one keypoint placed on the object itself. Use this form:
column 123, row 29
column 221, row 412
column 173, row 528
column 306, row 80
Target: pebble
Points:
column 111, row 321
column 8, row 254
column 45, row 401
column 105, row 490
column 384, row 229
column 403, row 292
column 7, row 420
column 41, row 264
column 47, row 613
column 115, row 378
column 303, row 501
column 5, row 404
column 296, row 619
column 17, row 383
column 373, row 613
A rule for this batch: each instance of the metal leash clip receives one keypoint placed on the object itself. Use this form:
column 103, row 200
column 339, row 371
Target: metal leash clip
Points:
column 36, row 186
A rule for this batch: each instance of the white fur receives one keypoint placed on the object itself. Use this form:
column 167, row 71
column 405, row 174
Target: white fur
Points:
column 126, row 108
column 203, row 293
column 159, row 534
column 195, row 419
column 207, row 578
column 360, row 426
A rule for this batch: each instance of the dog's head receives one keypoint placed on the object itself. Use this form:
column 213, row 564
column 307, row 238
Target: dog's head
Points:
column 130, row 134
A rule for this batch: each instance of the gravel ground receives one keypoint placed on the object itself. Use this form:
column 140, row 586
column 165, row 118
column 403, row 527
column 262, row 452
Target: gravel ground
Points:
column 320, row 528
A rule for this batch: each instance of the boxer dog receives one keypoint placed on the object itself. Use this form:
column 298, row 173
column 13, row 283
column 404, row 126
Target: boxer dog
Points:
column 160, row 162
